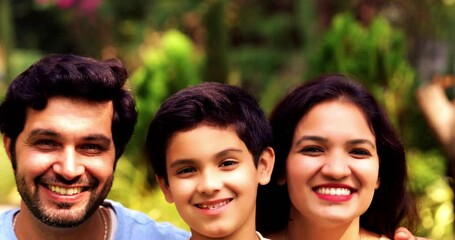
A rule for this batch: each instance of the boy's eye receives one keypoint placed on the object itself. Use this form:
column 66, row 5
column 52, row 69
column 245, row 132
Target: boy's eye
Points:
column 228, row 163
column 186, row 170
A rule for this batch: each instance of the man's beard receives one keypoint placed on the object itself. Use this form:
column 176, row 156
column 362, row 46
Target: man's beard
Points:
column 55, row 217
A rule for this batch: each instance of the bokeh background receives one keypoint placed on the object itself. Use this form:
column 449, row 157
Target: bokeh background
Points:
column 394, row 47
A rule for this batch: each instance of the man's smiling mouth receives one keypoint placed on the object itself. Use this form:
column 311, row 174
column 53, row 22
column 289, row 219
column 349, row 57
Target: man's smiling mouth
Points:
column 63, row 190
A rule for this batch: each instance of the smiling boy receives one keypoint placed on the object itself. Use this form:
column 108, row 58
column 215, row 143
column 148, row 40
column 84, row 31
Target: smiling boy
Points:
column 209, row 147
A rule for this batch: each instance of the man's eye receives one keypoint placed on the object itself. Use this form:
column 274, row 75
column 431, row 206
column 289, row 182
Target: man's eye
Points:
column 45, row 144
column 92, row 148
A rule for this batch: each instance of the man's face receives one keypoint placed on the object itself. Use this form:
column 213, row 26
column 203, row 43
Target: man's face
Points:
column 65, row 159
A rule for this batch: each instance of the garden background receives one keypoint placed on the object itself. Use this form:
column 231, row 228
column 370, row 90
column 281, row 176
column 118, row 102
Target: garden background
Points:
column 266, row 47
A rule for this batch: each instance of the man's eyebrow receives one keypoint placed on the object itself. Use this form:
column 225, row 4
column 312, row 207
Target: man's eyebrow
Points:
column 43, row 132
column 98, row 137
column 51, row 133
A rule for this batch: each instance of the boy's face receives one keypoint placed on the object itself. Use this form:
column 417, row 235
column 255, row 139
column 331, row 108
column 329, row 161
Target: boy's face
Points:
column 213, row 181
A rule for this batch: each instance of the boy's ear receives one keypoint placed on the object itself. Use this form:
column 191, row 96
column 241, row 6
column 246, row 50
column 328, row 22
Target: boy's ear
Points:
column 165, row 189
column 7, row 145
column 265, row 165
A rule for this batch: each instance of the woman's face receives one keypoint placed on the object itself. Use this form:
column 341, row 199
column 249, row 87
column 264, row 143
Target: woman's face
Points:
column 332, row 167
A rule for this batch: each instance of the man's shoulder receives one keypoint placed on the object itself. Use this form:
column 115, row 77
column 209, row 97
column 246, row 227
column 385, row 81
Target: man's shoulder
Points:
column 6, row 227
column 133, row 224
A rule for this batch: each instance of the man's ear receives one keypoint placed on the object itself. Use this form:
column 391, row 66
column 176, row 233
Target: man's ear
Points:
column 265, row 165
column 7, row 145
column 165, row 189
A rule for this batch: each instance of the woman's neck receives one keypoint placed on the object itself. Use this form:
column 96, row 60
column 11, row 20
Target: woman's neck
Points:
column 302, row 228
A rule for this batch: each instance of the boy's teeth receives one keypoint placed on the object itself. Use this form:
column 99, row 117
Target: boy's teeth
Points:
column 65, row 191
column 334, row 191
column 214, row 206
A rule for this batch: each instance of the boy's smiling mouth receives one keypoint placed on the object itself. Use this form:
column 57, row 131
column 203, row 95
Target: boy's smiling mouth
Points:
column 214, row 204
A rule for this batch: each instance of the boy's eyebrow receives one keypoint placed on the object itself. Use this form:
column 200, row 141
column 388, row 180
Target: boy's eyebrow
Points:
column 181, row 162
column 227, row 151
column 190, row 161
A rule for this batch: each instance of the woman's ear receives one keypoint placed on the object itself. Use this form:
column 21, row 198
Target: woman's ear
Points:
column 165, row 189
column 265, row 165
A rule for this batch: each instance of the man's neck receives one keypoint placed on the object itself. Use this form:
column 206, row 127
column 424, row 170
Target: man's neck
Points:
column 28, row 227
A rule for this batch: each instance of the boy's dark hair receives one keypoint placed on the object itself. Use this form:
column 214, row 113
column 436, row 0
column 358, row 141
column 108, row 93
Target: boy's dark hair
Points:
column 72, row 77
column 391, row 202
column 213, row 104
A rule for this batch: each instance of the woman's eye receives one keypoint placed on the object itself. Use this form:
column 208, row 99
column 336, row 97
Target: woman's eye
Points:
column 360, row 152
column 311, row 150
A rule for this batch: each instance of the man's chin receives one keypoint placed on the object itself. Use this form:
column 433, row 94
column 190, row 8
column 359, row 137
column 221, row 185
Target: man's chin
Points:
column 63, row 218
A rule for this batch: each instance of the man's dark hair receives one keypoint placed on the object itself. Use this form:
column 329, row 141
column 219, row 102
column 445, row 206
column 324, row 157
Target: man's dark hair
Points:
column 73, row 77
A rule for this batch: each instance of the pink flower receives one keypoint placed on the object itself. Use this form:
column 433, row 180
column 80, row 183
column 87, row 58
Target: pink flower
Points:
column 89, row 5
column 64, row 4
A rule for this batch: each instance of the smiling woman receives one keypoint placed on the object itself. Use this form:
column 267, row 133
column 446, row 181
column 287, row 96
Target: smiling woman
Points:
column 340, row 169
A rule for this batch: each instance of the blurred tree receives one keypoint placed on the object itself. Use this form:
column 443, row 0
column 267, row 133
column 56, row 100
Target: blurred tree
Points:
column 6, row 40
column 169, row 63
column 216, row 67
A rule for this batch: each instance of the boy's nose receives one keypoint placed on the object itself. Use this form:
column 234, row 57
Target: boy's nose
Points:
column 209, row 182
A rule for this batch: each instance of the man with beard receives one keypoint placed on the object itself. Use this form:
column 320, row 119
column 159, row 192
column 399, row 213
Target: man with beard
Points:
column 65, row 122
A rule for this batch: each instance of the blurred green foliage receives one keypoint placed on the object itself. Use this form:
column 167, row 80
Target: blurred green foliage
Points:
column 169, row 63
column 433, row 194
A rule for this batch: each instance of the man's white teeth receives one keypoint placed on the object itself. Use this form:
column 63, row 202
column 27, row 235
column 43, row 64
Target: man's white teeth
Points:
column 65, row 191
column 214, row 206
column 334, row 191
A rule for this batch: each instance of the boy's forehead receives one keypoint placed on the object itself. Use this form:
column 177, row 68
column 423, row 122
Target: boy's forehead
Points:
column 205, row 139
